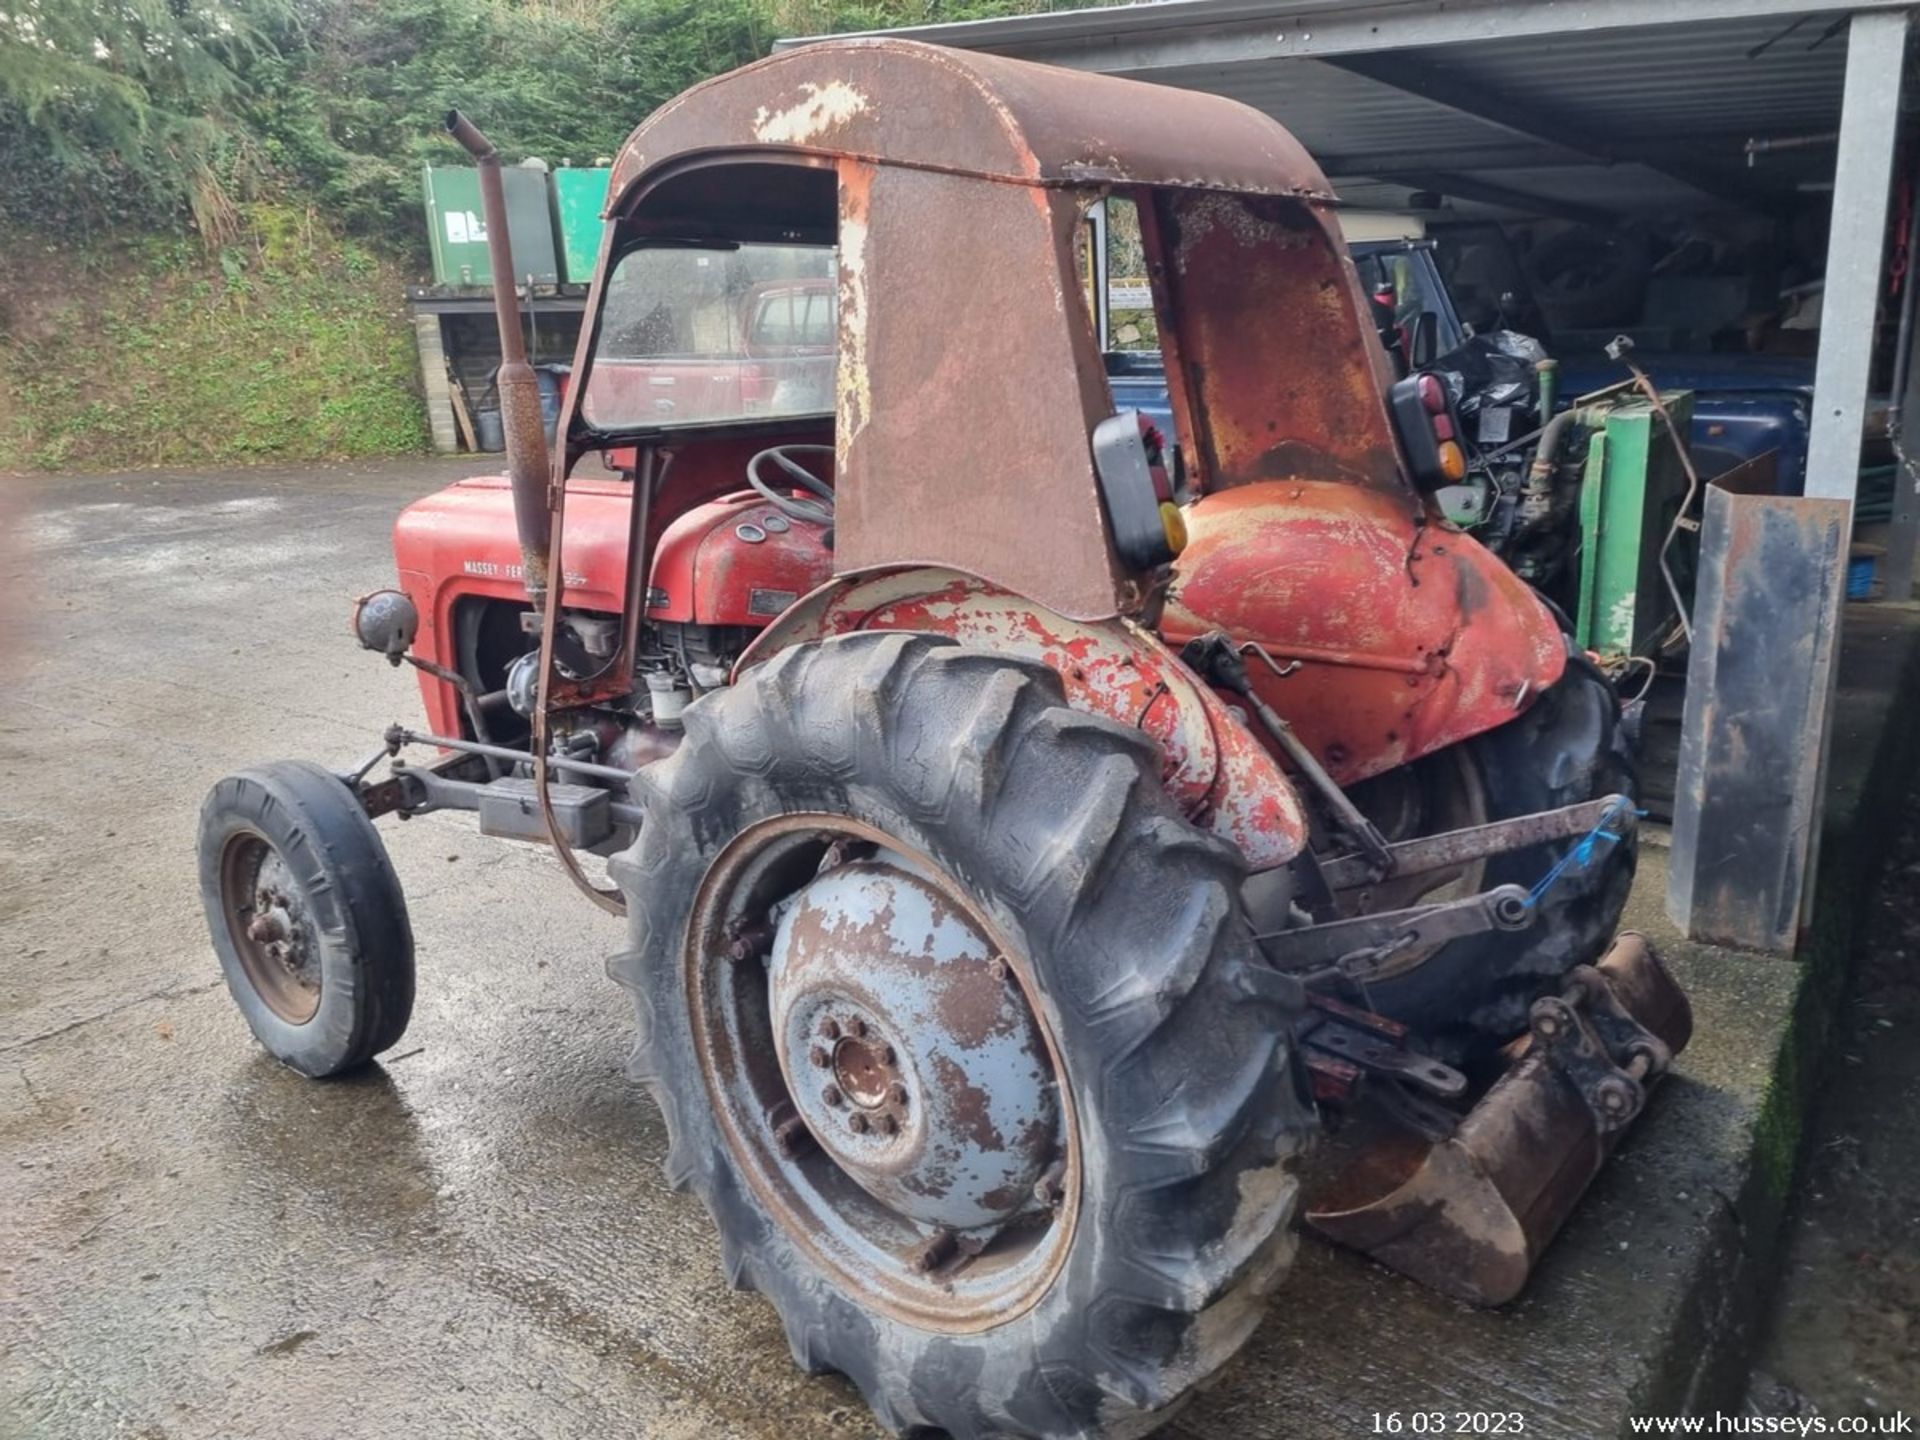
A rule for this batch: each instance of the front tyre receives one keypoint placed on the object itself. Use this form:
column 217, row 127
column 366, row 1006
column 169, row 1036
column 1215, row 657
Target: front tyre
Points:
column 306, row 916
column 961, row 1038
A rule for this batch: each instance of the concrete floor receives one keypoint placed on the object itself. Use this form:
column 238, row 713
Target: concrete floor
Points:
column 1846, row 1337
column 473, row 1237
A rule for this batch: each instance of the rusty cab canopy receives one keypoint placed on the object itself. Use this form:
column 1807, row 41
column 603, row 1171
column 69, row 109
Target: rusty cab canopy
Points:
column 945, row 194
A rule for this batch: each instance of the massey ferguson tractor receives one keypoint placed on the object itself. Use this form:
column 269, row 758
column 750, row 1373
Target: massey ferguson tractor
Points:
column 1034, row 827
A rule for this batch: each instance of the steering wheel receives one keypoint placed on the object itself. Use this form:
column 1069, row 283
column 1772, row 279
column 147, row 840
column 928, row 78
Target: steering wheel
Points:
column 814, row 512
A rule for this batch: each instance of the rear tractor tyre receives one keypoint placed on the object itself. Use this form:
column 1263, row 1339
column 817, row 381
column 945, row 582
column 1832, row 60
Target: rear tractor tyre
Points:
column 306, row 915
column 1473, row 994
column 960, row 1036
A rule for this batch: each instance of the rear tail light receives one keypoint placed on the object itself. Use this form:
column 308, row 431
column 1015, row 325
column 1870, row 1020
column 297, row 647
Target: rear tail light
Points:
column 1175, row 526
column 1429, row 430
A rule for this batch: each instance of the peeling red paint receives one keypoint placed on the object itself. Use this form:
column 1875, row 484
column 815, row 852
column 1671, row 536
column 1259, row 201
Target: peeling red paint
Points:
column 1210, row 763
column 1408, row 636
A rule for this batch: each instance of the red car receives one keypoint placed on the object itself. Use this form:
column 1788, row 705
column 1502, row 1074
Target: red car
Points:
column 724, row 347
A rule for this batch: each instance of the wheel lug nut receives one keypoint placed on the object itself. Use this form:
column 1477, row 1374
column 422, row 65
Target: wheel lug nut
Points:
column 830, row 1028
column 857, row 1028
column 890, row 1058
column 857, row 1122
column 1051, row 1187
column 831, row 1095
column 937, row 1251
column 897, row 1093
column 886, row 1124
column 819, row 1056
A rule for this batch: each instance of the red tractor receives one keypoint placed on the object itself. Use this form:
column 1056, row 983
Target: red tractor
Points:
column 1032, row 828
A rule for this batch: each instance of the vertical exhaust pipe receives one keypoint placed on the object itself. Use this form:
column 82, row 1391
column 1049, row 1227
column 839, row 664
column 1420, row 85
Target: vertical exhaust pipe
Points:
column 527, row 459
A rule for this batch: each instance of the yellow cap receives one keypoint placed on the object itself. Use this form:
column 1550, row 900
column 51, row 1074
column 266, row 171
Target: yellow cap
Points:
column 1175, row 524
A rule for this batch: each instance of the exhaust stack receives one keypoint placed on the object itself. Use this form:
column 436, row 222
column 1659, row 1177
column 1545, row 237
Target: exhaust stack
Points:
column 527, row 459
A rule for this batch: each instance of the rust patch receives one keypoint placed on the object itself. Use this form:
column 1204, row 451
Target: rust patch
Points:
column 1389, row 670
column 968, row 1107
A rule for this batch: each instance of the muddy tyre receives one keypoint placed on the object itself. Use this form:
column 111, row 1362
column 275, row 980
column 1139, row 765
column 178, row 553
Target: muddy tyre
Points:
column 1473, row 994
column 846, row 848
column 306, row 916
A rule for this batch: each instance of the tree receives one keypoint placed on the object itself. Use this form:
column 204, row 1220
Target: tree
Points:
column 129, row 103
column 124, row 113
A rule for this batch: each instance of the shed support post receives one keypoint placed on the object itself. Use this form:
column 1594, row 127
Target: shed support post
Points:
column 1772, row 583
column 1903, row 536
column 1869, row 114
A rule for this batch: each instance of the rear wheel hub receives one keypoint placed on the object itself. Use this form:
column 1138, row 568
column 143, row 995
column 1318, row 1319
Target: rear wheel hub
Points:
column 880, row 1073
column 907, row 1048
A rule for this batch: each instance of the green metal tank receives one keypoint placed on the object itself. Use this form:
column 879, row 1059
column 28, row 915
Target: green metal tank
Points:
column 580, row 195
column 1633, row 487
column 458, row 231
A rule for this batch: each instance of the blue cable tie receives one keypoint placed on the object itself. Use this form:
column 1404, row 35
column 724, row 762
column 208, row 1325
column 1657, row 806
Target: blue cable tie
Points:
column 1582, row 853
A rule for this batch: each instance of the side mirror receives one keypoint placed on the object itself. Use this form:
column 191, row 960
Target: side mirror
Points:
column 1129, row 460
column 1424, row 340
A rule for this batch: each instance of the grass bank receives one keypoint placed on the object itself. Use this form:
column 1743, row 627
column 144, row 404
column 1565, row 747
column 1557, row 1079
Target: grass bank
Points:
column 288, row 344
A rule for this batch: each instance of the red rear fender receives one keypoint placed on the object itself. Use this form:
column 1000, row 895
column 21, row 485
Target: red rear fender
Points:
column 1403, row 634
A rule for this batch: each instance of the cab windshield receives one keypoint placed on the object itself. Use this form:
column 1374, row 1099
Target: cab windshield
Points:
column 714, row 335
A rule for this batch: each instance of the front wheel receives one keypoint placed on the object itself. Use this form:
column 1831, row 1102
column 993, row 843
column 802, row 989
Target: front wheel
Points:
column 961, row 1038
column 306, row 915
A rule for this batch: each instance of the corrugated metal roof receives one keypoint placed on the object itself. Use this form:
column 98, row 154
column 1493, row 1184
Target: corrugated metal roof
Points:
column 1696, row 78
column 1624, row 118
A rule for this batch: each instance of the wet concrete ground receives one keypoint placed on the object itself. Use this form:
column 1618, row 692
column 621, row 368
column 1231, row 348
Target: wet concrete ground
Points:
column 473, row 1237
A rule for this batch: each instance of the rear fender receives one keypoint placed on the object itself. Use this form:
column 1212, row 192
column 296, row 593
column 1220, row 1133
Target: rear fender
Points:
column 1212, row 766
column 1400, row 634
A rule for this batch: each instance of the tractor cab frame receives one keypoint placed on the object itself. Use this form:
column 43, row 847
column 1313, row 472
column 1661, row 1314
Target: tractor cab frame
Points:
column 952, row 191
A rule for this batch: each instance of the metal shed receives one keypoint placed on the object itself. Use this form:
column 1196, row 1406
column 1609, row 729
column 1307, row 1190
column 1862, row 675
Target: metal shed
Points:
column 1600, row 110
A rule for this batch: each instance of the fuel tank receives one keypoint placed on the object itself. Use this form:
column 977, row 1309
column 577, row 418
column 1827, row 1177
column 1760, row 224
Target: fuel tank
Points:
column 1394, row 633
column 735, row 561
